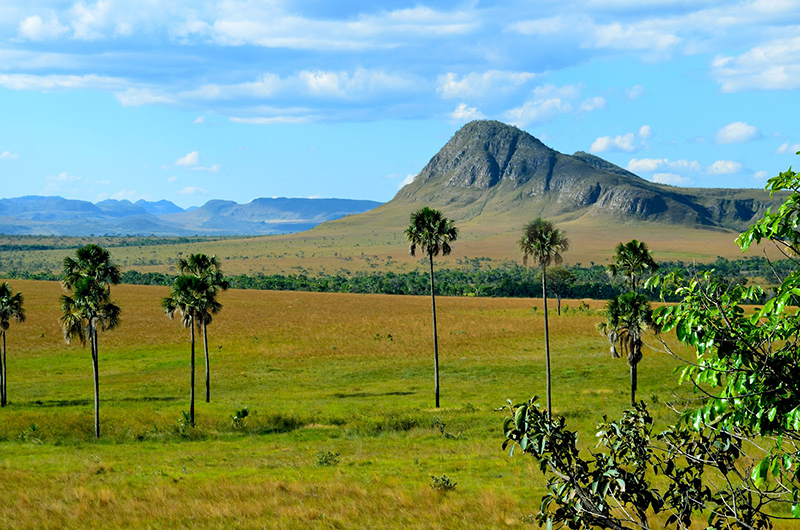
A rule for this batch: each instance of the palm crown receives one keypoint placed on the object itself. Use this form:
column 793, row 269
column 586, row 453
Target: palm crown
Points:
column 543, row 242
column 431, row 231
column 10, row 306
column 631, row 260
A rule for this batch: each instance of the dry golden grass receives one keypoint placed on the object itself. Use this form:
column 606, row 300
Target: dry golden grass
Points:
column 319, row 372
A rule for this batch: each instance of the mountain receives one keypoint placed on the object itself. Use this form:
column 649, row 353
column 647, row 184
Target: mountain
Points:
column 491, row 178
column 490, row 166
column 59, row 216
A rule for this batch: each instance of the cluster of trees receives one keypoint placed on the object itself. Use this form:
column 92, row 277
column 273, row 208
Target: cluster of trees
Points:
column 506, row 280
column 730, row 459
column 87, row 308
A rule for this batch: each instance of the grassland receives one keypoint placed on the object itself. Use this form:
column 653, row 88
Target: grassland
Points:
column 320, row 373
column 373, row 241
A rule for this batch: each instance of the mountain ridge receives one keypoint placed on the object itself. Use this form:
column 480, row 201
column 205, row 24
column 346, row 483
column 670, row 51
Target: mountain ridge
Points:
column 53, row 215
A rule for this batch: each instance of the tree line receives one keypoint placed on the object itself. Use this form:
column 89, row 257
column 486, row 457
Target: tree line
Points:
column 507, row 280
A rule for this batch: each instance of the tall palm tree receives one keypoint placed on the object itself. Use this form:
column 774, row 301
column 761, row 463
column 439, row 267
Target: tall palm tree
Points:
column 10, row 309
column 432, row 232
column 543, row 242
column 628, row 316
column 88, row 278
column 631, row 261
column 189, row 296
column 208, row 269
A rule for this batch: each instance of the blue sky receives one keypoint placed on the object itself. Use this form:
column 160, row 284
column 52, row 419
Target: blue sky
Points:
column 238, row 99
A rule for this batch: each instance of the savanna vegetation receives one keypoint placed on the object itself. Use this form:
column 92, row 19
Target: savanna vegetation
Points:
column 322, row 416
column 318, row 374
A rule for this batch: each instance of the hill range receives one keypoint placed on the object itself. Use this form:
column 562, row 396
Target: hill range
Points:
column 490, row 178
column 35, row 215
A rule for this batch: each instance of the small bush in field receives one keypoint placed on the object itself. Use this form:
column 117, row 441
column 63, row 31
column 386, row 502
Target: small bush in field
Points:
column 328, row 458
column 442, row 484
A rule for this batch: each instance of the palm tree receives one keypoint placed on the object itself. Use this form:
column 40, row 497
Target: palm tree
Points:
column 189, row 296
column 543, row 242
column 208, row 269
column 10, row 308
column 628, row 316
column 631, row 261
column 88, row 278
column 432, row 232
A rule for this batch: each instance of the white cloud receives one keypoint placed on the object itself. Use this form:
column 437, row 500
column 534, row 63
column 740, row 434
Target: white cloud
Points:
column 130, row 195
column 785, row 148
column 270, row 120
column 56, row 183
column 774, row 65
column 737, row 132
column 60, row 82
column 87, row 21
column 635, row 91
column 645, row 132
column 465, row 113
column 645, row 36
column 594, row 103
column 547, row 102
column 172, row 179
column 479, row 85
column 406, row 181
column 193, row 190
column 191, row 159
column 761, row 175
column 653, row 164
column 671, row 179
column 136, row 97
column 265, row 24
column 199, row 119
column 624, row 142
column 8, row 155
column 37, row 29
column 211, row 169
column 724, row 167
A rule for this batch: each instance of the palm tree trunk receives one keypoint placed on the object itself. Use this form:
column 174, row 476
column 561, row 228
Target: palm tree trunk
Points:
column 208, row 372
column 95, row 369
column 191, row 403
column 547, row 343
column 3, row 379
column 435, row 339
column 633, row 384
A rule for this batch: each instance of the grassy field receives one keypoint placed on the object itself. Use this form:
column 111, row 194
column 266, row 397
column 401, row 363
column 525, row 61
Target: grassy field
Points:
column 374, row 241
column 320, row 374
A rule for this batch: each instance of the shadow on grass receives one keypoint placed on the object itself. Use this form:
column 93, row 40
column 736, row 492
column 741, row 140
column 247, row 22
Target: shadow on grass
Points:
column 370, row 394
column 82, row 402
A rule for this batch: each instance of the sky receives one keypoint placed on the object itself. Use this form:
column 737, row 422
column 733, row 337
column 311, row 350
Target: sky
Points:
column 238, row 99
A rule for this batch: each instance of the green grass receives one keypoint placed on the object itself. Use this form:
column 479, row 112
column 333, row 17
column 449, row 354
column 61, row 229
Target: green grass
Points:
column 318, row 374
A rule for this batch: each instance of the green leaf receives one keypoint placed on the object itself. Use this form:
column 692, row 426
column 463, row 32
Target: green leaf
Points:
column 796, row 510
column 759, row 474
column 519, row 418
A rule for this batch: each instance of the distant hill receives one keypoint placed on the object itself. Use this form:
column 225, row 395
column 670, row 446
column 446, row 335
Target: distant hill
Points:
column 35, row 215
column 492, row 167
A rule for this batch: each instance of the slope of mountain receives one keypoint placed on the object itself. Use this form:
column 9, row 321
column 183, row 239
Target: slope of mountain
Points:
column 490, row 166
column 58, row 216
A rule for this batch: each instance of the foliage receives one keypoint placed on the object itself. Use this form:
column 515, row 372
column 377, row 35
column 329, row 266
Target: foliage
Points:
column 10, row 309
column 239, row 418
column 542, row 241
column 443, row 483
column 207, row 269
column 432, row 232
column 327, row 458
column 88, row 277
column 631, row 261
column 732, row 456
